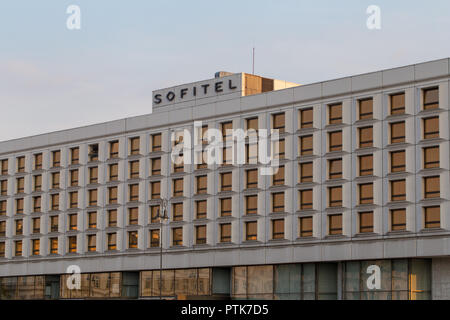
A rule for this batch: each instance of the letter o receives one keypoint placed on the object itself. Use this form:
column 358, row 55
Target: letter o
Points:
column 170, row 96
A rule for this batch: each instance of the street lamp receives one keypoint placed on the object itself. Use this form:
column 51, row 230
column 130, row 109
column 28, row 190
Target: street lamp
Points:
column 161, row 213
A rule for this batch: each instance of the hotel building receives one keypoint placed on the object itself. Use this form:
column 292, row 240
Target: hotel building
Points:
column 357, row 209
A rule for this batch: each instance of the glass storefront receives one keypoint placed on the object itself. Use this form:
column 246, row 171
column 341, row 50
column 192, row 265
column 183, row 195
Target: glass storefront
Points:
column 396, row 279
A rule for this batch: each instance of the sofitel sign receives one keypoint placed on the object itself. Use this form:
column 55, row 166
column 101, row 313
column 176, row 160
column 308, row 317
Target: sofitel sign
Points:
column 200, row 90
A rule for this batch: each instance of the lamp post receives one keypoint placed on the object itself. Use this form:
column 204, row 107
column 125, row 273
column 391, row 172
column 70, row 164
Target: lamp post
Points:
column 161, row 213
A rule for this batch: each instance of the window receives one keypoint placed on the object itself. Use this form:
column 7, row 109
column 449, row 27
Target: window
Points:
column 278, row 202
column 431, row 128
column 306, row 227
column 156, row 142
column 225, row 232
column 133, row 216
column 113, row 172
column 251, row 153
column 177, row 236
column 204, row 134
column 19, row 206
column 306, row 172
column 53, row 223
column 177, row 187
column 155, row 189
column 252, row 124
column 252, row 178
column 430, row 98
column 134, row 145
column 431, row 157
column 19, row 227
column 279, row 150
column 73, row 221
column 38, row 161
column 200, row 234
column 37, row 183
column 75, row 155
column 54, row 201
column 3, row 208
column 4, row 167
column 112, row 241
column 306, row 199
column 178, row 165
column 335, row 224
column 112, row 195
column 397, row 132
column 365, row 108
column 398, row 161
column 93, row 152
column 225, row 181
column 335, row 168
column 134, row 169
column 398, row 190
column 112, row 218
column 74, row 178
column 432, row 217
column 306, row 118
column 431, row 187
column 18, row 248
column 202, row 157
column 279, row 122
column 2, row 249
column 278, row 229
column 225, row 207
column 366, row 165
column 4, row 187
column 154, row 214
column 335, row 113
column 200, row 209
column 91, row 242
column 92, row 197
column 154, row 238
column 397, row 103
column 201, row 184
column 306, row 145
column 114, row 149
column 37, row 204
column 227, row 128
column 251, row 204
column 133, row 191
column 72, row 242
column 2, row 228
column 132, row 239
column 93, row 175
column 251, row 231
column 73, row 199
column 398, row 219
column 365, row 137
column 278, row 178
column 92, row 220
column 227, row 156
column 55, row 180
column 366, row 193
column 56, row 158
column 156, row 166
column 335, row 141
column 36, row 247
column 20, row 164
column 20, row 185
column 335, row 196
column 177, row 209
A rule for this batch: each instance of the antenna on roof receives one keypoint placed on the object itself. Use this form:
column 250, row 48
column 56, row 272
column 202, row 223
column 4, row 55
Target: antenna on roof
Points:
column 253, row 61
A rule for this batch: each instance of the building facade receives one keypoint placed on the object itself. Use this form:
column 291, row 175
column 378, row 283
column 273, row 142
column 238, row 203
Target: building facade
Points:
column 357, row 208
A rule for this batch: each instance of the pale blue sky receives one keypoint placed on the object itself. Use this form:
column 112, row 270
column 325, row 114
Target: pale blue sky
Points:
column 52, row 78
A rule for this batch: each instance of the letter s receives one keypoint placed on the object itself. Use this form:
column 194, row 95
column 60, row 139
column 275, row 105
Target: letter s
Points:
column 157, row 99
